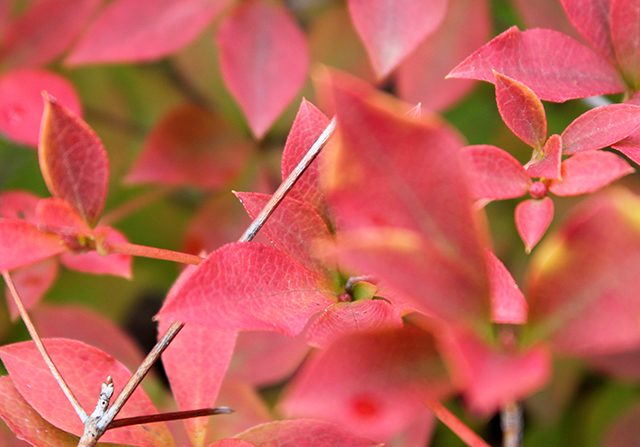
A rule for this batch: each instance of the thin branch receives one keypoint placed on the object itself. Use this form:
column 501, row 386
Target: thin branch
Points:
column 133, row 205
column 288, row 183
column 43, row 351
column 467, row 435
column 511, row 423
column 127, row 248
column 165, row 417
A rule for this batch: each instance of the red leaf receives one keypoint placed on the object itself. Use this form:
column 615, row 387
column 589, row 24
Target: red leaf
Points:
column 533, row 217
column 190, row 147
column 21, row 102
column 307, row 127
column 545, row 14
column 45, row 31
column 625, row 35
column 31, row 282
column 21, row 244
column 373, row 384
column 137, row 31
column 300, row 433
column 440, row 52
column 18, row 205
column 630, row 147
column 343, row 319
column 490, row 377
column 263, row 59
column 250, row 286
column 587, row 172
column 583, row 284
column 294, row 228
column 521, row 110
column 399, row 209
column 73, row 161
column 546, row 163
column 591, row 18
column 84, row 368
column 94, row 262
column 266, row 358
column 82, row 324
column 493, row 173
column 195, row 363
column 554, row 66
column 508, row 305
column 26, row 423
column 600, row 127
column 392, row 30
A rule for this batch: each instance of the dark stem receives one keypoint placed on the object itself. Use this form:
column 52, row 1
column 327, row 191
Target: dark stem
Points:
column 165, row 417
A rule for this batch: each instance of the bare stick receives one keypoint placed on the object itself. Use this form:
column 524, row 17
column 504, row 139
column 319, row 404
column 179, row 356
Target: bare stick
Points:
column 43, row 351
column 511, row 424
column 127, row 248
column 288, row 183
column 467, row 435
column 164, row 417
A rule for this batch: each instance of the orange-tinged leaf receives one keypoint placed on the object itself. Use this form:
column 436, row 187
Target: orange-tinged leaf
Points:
column 21, row 101
column 21, row 244
column 391, row 30
column 372, row 383
column 26, row 423
column 300, row 433
column 84, row 368
column 402, row 205
column 138, row 30
column 73, row 161
column 521, row 110
column 263, row 59
column 190, row 146
column 250, row 286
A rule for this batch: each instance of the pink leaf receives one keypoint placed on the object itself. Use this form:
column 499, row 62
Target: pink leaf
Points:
column 307, row 127
column 521, row 110
column 263, row 59
column 26, row 423
column 250, row 286
column 508, row 305
column 18, row 205
column 343, row 319
column 231, row 443
column 32, row 282
column 546, row 163
column 82, row 324
column 73, row 160
column 266, row 358
column 533, row 217
column 591, row 18
column 294, row 228
column 21, row 244
column 190, row 146
column 195, row 363
column 84, row 368
column 99, row 264
column 490, row 377
column 587, row 172
column 554, row 66
column 582, row 285
column 45, row 31
column 442, row 51
column 600, row 127
column 392, row 30
column 21, row 102
column 373, row 384
column 625, row 34
column 545, row 14
column 630, row 147
column 137, row 31
column 493, row 173
column 300, row 433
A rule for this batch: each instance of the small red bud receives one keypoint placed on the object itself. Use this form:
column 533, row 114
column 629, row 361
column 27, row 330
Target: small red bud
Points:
column 538, row 190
